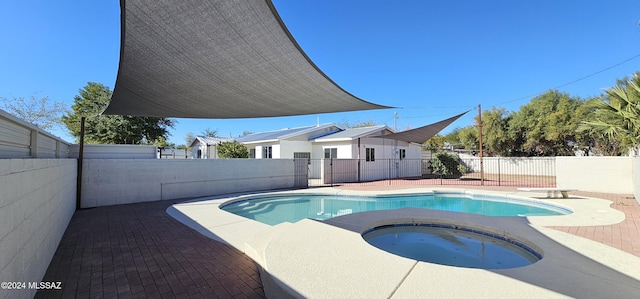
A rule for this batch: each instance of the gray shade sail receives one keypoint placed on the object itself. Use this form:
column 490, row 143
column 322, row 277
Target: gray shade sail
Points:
column 217, row 59
column 422, row 134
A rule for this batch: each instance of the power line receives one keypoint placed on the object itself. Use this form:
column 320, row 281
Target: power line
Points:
column 574, row 81
column 528, row 96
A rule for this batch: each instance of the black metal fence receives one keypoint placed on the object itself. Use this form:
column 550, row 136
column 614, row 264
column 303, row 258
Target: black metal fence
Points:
column 496, row 171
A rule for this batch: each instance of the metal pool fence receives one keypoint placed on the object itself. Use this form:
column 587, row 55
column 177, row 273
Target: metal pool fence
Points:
column 497, row 171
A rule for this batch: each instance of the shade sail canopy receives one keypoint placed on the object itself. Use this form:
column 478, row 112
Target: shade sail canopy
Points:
column 217, row 59
column 422, row 134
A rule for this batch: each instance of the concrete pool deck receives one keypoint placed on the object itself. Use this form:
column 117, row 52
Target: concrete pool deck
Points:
column 330, row 259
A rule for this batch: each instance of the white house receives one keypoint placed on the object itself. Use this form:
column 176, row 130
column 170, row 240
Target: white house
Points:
column 340, row 154
column 363, row 154
column 206, row 147
column 286, row 143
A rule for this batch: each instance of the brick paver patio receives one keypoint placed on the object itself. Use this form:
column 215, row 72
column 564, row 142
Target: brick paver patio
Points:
column 138, row 250
column 624, row 235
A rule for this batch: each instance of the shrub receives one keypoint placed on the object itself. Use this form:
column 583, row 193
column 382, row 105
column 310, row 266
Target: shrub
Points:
column 444, row 164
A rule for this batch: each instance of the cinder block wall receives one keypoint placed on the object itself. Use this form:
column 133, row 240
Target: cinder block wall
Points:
column 37, row 201
column 596, row 174
column 121, row 181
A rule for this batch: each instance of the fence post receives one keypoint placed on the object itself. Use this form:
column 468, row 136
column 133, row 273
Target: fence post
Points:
column 499, row 181
column 33, row 150
column 390, row 174
column 331, row 171
column 79, row 170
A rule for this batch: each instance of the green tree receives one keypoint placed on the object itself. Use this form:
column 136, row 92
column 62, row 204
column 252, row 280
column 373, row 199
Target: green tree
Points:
column 546, row 126
column 209, row 133
column 495, row 132
column 42, row 112
column 357, row 124
column 109, row 129
column 188, row 139
column 435, row 144
column 616, row 115
column 232, row 149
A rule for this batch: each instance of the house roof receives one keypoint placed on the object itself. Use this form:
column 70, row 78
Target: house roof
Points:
column 217, row 59
column 282, row 134
column 354, row 133
column 208, row 140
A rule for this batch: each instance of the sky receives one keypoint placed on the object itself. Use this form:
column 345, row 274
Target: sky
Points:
column 429, row 59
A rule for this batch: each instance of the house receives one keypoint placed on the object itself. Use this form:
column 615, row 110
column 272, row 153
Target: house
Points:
column 364, row 154
column 206, row 147
column 339, row 154
column 286, row 143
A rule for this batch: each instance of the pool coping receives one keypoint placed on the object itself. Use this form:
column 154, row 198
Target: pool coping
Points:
column 330, row 259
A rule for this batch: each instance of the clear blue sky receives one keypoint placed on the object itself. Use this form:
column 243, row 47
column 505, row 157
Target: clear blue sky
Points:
column 432, row 59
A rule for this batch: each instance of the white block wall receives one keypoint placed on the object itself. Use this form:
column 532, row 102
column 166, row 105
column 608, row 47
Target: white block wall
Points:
column 512, row 165
column 595, row 174
column 110, row 182
column 115, row 151
column 37, row 201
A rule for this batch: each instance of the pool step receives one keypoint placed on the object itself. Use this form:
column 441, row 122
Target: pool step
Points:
column 255, row 246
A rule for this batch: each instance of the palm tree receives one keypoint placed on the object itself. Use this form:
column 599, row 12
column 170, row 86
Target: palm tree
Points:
column 617, row 113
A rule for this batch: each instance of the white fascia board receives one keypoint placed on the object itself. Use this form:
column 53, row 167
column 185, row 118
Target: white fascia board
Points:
column 261, row 141
column 332, row 139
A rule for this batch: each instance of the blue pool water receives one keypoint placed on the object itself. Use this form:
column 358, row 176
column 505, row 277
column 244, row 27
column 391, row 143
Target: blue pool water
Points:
column 452, row 246
column 292, row 208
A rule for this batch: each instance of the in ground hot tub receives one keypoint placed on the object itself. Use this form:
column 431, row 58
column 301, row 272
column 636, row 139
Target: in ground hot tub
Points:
column 452, row 245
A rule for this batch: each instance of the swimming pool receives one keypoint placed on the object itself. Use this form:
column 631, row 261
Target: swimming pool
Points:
column 275, row 209
column 452, row 245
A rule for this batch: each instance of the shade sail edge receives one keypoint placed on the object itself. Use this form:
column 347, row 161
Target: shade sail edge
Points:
column 226, row 59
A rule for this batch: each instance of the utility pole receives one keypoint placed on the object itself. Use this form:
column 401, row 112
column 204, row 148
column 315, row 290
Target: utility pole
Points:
column 480, row 139
column 395, row 121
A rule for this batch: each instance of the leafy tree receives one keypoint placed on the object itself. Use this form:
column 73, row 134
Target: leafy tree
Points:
column 188, row 139
column 164, row 143
column 617, row 114
column 232, row 149
column 495, row 136
column 209, row 133
column 41, row 112
column 435, row 144
column 106, row 129
column 469, row 137
column 546, row 126
column 357, row 124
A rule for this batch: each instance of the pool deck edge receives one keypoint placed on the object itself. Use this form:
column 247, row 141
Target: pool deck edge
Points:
column 304, row 261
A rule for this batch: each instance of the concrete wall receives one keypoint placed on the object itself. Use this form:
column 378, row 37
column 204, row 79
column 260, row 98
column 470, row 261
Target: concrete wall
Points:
column 37, row 201
column 596, row 174
column 115, row 151
column 110, row 182
column 545, row 166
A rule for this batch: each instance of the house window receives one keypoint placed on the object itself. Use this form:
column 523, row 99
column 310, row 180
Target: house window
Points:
column 267, row 152
column 331, row 153
column 199, row 154
column 252, row 153
column 403, row 154
column 371, row 154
